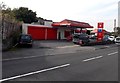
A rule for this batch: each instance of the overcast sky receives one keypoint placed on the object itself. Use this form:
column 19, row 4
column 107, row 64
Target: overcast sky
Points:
column 90, row 11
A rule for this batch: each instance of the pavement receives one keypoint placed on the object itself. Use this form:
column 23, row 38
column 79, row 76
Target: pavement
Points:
column 61, row 61
column 48, row 48
column 44, row 48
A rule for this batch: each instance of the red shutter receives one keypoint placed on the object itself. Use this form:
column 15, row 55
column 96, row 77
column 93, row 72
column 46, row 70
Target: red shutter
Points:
column 37, row 33
column 51, row 34
column 42, row 33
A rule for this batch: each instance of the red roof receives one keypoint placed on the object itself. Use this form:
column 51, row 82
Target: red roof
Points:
column 71, row 23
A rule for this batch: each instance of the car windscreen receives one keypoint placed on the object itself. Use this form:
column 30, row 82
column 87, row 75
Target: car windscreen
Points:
column 25, row 37
column 111, row 37
column 117, row 38
column 83, row 36
column 76, row 36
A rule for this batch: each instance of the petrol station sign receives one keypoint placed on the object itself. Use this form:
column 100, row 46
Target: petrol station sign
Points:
column 100, row 31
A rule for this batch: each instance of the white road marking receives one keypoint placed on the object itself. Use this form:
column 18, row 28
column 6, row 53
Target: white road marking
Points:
column 28, row 57
column 107, row 46
column 113, row 53
column 92, row 58
column 31, row 73
column 19, row 58
column 67, row 46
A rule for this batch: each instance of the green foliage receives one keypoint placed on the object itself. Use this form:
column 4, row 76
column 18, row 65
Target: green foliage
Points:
column 25, row 15
column 22, row 14
column 9, row 15
column 118, row 28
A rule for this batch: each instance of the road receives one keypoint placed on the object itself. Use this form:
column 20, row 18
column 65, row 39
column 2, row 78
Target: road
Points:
column 67, row 62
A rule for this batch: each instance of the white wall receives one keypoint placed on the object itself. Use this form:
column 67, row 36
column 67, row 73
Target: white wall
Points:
column 62, row 33
column 47, row 23
column 24, row 28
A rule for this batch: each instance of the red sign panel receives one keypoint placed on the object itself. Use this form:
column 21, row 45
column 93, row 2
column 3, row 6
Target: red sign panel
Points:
column 100, row 36
column 100, row 25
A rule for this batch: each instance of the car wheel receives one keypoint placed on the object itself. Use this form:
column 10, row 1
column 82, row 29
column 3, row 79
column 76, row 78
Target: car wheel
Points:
column 82, row 43
column 31, row 45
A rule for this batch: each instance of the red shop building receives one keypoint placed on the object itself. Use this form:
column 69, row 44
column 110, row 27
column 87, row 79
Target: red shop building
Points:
column 57, row 30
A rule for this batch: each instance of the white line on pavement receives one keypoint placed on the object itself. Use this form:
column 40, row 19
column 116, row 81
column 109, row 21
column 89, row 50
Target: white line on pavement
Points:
column 113, row 53
column 92, row 58
column 67, row 46
column 31, row 73
column 107, row 46
column 29, row 57
column 19, row 58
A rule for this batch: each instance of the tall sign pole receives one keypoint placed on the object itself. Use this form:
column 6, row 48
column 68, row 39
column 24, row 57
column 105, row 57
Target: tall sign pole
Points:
column 118, row 28
column 100, row 32
column 119, row 14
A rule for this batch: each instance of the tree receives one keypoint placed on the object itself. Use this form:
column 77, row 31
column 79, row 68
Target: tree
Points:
column 25, row 15
column 118, row 28
column 9, row 15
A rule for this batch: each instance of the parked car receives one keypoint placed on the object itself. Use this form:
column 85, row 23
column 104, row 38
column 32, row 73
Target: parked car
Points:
column 25, row 39
column 107, row 40
column 84, row 39
column 81, row 39
column 117, row 40
column 93, row 40
column 111, row 38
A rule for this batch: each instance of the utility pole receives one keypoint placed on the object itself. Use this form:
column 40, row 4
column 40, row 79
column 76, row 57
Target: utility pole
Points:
column 119, row 14
column 114, row 23
column 0, row 21
column 118, row 19
column 115, row 28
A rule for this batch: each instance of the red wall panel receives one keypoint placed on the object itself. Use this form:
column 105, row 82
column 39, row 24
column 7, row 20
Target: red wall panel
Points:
column 36, row 32
column 42, row 33
column 51, row 34
column 67, row 33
